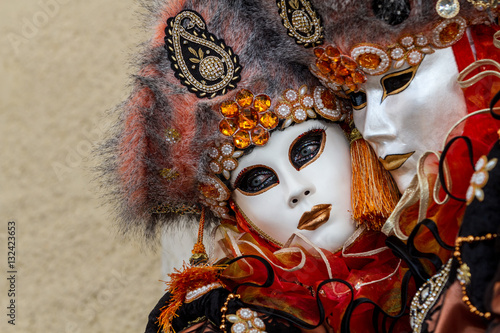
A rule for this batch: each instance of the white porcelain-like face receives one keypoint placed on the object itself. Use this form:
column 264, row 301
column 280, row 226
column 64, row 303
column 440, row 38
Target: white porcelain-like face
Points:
column 301, row 176
column 415, row 114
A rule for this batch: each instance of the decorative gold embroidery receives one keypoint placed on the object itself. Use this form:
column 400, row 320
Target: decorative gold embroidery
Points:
column 180, row 210
column 480, row 178
column 301, row 21
column 169, row 174
column 172, row 135
column 427, row 295
column 203, row 63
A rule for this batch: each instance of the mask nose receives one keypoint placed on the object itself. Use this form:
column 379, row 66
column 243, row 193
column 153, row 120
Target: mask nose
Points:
column 374, row 122
column 299, row 192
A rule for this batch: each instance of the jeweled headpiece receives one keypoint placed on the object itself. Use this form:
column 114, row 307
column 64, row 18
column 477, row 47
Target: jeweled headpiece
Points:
column 209, row 85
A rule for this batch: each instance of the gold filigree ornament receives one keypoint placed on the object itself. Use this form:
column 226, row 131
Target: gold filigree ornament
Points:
column 374, row 59
column 246, row 321
column 172, row 135
column 427, row 295
column 203, row 63
column 214, row 194
column 463, row 272
column 484, row 4
column 247, row 119
column 301, row 21
column 224, row 159
column 479, row 178
column 296, row 106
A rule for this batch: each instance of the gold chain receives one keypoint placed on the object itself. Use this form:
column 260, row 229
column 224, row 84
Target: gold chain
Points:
column 463, row 266
column 224, row 310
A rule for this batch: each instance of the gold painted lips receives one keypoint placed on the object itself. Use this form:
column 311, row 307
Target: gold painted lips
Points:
column 394, row 161
column 318, row 216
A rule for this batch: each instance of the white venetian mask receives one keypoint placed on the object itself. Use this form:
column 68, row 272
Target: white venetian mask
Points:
column 406, row 112
column 299, row 182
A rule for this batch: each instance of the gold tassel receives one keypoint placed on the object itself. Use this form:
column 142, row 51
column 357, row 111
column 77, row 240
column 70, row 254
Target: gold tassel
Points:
column 374, row 193
column 199, row 273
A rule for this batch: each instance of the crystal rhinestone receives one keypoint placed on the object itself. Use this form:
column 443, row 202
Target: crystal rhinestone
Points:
column 308, row 101
column 258, row 323
column 262, row 103
column 421, row 41
column 369, row 60
column 229, row 109
column 245, row 313
column 227, row 149
column 300, row 115
column 269, row 120
column 449, row 33
column 414, row 57
column 291, row 95
column 447, row 8
column 407, row 41
column 397, row 53
column 213, row 152
column 260, row 136
column 424, row 293
column 480, row 177
column 283, row 110
column 480, row 163
column 239, row 328
column 227, row 127
column 215, row 167
column 229, row 164
column 248, row 118
column 244, row 98
column 241, row 139
column 211, row 68
column 301, row 21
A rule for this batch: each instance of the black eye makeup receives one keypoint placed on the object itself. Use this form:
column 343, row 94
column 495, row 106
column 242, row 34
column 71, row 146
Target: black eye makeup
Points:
column 306, row 148
column 358, row 99
column 256, row 180
column 395, row 83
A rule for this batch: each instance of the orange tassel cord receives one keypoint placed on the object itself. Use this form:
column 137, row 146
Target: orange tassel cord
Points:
column 374, row 193
column 181, row 282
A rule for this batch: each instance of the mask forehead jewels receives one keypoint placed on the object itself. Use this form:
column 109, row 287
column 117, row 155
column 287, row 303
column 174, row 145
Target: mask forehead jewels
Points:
column 201, row 61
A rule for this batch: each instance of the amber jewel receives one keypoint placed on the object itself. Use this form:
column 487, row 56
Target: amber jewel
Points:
column 241, row 139
column 262, row 103
column 269, row 120
column 369, row 60
column 260, row 136
column 209, row 190
column 248, row 119
column 229, row 109
column 228, row 127
column 244, row 98
column 449, row 33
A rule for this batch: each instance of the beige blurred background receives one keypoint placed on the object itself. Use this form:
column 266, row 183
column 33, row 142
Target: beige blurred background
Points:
column 63, row 64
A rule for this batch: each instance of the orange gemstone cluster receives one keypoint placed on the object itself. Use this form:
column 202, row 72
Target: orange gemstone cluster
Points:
column 337, row 70
column 247, row 119
column 340, row 72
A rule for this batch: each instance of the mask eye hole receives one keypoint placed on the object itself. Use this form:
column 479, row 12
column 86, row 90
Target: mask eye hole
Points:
column 358, row 99
column 395, row 83
column 256, row 180
column 307, row 148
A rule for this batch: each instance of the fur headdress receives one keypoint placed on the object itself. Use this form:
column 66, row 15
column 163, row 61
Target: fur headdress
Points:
column 158, row 154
